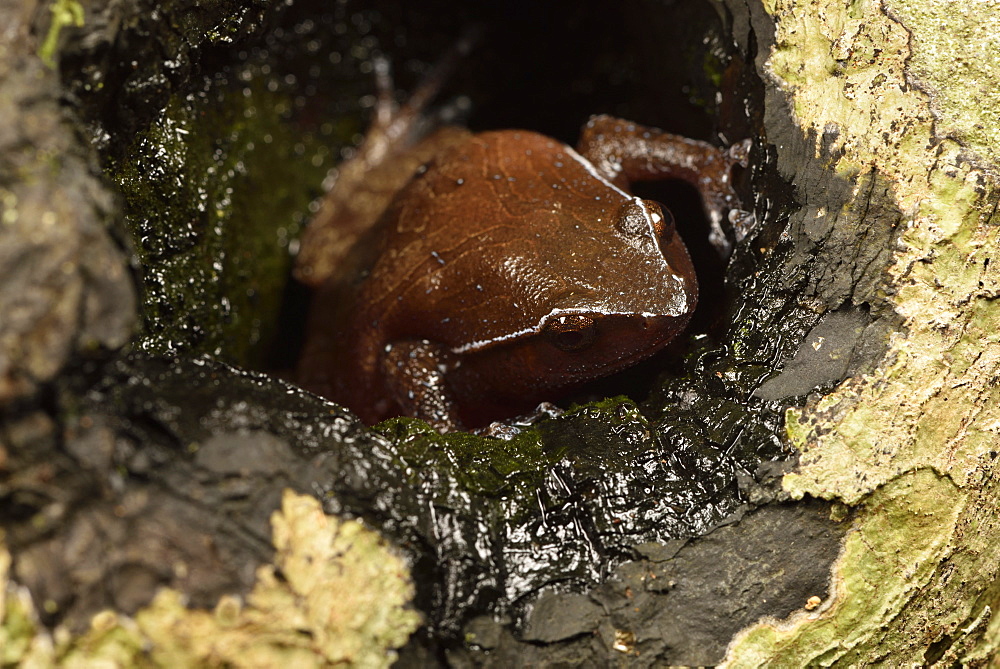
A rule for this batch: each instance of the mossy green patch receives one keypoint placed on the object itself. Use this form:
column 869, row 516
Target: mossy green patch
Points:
column 955, row 56
column 479, row 465
column 215, row 191
column 65, row 13
column 517, row 466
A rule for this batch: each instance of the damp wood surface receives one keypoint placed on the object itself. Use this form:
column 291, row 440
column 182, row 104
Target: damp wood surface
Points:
column 895, row 99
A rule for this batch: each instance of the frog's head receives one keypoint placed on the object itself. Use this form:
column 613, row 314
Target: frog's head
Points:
column 549, row 276
column 588, row 301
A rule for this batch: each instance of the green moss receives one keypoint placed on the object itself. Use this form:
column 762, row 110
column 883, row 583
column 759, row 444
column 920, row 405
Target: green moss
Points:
column 602, row 432
column 215, row 190
column 65, row 13
column 713, row 67
column 479, row 465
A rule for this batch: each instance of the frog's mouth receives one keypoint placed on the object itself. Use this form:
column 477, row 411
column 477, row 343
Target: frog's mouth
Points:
column 622, row 341
column 611, row 342
column 540, row 364
column 645, row 321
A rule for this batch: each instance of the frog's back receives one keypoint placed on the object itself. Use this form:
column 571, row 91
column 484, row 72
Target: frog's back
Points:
column 500, row 231
column 480, row 236
column 362, row 190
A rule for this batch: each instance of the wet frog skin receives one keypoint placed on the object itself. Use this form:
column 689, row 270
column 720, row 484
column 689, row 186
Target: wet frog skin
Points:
column 507, row 270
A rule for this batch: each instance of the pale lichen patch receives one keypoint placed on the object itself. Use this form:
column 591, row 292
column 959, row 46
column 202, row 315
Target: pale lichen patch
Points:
column 340, row 600
column 955, row 54
column 912, row 445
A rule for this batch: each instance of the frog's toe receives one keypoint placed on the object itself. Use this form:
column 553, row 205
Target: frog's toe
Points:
column 742, row 222
column 739, row 153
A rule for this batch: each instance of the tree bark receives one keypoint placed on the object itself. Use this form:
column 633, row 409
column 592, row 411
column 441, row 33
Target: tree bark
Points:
column 898, row 99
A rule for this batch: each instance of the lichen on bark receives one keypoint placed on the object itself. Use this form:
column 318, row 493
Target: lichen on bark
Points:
column 336, row 595
column 880, row 88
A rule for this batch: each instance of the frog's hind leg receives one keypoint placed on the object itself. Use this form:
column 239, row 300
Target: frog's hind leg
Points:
column 401, row 138
column 405, row 124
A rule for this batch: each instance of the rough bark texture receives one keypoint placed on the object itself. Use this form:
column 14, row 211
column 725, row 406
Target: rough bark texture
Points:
column 66, row 282
column 895, row 99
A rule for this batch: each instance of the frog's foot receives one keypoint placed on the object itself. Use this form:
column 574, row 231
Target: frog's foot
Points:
column 397, row 126
column 721, row 201
column 415, row 379
column 739, row 153
column 625, row 152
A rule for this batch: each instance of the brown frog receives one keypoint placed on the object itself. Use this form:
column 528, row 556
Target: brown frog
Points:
column 486, row 272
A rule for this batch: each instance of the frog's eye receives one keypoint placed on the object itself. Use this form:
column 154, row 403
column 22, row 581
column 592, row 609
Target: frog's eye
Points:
column 571, row 333
column 635, row 217
column 663, row 221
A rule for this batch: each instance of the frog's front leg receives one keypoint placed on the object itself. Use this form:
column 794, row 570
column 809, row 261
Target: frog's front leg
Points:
column 625, row 152
column 415, row 378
